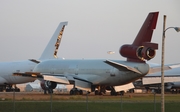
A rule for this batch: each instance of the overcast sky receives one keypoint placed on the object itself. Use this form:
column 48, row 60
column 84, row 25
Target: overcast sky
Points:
column 94, row 27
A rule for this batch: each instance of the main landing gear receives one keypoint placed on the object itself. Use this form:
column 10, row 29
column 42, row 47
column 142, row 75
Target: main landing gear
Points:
column 9, row 88
column 101, row 90
column 50, row 91
column 75, row 91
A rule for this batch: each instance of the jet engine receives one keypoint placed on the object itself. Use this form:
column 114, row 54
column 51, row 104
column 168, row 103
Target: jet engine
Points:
column 139, row 53
column 45, row 85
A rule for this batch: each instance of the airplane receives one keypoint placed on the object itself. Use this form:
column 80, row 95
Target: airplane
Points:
column 153, row 81
column 101, row 74
column 7, row 80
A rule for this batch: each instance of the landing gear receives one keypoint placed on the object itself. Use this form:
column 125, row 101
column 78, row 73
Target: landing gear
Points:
column 101, row 90
column 9, row 88
column 50, row 91
column 45, row 91
column 1, row 89
column 131, row 91
column 113, row 93
column 97, row 92
column 75, row 91
column 121, row 93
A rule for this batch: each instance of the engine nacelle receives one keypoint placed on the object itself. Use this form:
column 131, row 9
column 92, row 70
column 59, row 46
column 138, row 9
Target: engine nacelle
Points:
column 45, row 85
column 139, row 53
column 148, row 53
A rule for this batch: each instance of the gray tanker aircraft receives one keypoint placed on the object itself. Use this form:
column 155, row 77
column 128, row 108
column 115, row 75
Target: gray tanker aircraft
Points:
column 99, row 75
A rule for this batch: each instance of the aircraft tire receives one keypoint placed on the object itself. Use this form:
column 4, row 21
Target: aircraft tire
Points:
column 50, row 91
column 17, row 90
column 113, row 93
column 121, row 93
column 96, row 92
column 80, row 92
column 71, row 92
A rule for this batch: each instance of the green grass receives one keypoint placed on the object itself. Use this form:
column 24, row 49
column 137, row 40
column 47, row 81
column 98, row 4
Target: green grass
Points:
column 130, row 103
column 82, row 107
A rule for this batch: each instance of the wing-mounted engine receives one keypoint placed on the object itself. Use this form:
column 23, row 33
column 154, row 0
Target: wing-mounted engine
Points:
column 139, row 53
column 48, row 85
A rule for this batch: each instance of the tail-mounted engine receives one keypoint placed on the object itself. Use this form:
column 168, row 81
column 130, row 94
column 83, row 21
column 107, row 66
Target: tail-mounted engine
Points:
column 139, row 53
column 45, row 85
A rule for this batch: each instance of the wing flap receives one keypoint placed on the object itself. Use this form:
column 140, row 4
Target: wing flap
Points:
column 59, row 78
column 122, row 67
column 62, row 80
column 83, row 85
column 124, row 87
column 29, row 74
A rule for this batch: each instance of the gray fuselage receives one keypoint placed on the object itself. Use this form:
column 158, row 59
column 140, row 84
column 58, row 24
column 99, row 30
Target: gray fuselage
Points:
column 95, row 71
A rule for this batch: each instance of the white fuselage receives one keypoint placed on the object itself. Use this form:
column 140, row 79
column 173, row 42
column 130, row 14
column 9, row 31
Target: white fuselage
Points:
column 95, row 71
column 8, row 68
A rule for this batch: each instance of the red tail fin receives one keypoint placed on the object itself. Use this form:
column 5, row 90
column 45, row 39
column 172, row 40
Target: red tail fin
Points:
column 142, row 49
column 146, row 30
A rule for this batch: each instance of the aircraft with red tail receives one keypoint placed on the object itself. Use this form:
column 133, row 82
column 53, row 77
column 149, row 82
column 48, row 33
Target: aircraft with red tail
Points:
column 99, row 75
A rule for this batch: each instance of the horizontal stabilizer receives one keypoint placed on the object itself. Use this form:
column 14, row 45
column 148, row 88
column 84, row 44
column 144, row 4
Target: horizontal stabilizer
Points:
column 61, row 80
column 34, row 60
column 166, row 67
column 124, row 87
column 122, row 67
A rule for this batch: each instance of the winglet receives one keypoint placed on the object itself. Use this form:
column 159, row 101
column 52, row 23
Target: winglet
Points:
column 51, row 49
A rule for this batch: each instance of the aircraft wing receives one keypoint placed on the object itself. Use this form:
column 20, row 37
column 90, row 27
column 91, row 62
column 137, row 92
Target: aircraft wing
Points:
column 60, row 78
column 124, row 87
column 46, row 76
column 29, row 74
column 68, row 79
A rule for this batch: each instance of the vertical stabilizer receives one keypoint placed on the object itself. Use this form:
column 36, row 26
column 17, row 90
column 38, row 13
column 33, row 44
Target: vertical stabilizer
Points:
column 51, row 49
column 142, row 48
column 146, row 31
